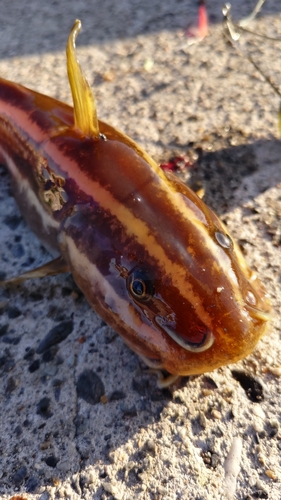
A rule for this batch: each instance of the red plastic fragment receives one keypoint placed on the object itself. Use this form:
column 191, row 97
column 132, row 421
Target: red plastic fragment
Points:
column 177, row 163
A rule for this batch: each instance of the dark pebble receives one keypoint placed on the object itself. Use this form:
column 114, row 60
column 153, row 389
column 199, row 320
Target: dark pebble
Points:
column 18, row 430
column 57, row 392
column 50, row 354
column 260, row 494
column 51, row 461
column 56, row 335
column 11, row 386
column 215, row 460
column 81, row 425
column 251, row 386
column 8, row 339
column 43, row 408
column 65, row 291
column 32, row 484
column 28, row 262
column 76, row 486
column 161, row 395
column 12, row 221
column 90, row 387
column 17, row 251
column 3, row 329
column 57, row 383
column 19, row 475
column 85, row 447
column 56, row 313
column 140, row 386
column 116, row 395
column 2, row 275
column 13, row 312
column 35, row 296
column 34, row 366
column 7, row 363
column 128, row 411
column 209, row 382
column 29, row 353
column 45, row 495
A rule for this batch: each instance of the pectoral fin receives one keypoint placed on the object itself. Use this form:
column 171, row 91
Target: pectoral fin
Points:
column 53, row 267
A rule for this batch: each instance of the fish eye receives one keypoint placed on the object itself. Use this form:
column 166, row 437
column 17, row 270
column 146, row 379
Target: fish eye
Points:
column 140, row 285
column 223, row 239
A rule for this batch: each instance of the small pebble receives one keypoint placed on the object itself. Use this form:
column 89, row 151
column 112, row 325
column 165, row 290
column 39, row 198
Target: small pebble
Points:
column 116, row 395
column 260, row 494
column 12, row 384
column 128, row 411
column 63, row 466
column 232, row 466
column 7, row 363
column 251, row 386
column 18, row 430
column 36, row 296
column 17, row 251
column 45, row 496
column 12, row 221
column 275, row 370
column 13, row 312
column 271, row 474
column 56, row 335
column 32, row 484
column 85, row 447
column 90, row 387
column 9, row 339
column 19, row 475
column 29, row 353
column 51, row 461
column 3, row 329
column 49, row 354
column 34, row 366
column 216, row 414
column 43, row 408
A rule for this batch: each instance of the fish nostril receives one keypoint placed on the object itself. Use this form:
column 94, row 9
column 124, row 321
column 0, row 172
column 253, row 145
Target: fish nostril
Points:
column 250, row 298
column 223, row 239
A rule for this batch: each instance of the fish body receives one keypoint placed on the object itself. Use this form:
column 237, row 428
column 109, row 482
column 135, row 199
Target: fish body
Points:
column 151, row 258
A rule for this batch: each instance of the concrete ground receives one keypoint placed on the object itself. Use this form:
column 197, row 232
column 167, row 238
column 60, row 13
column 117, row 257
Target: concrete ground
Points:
column 58, row 437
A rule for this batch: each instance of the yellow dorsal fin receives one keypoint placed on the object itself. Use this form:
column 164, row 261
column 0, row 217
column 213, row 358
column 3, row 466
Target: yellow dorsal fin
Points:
column 85, row 113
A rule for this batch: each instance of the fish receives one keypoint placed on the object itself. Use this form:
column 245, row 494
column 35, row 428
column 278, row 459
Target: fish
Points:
column 153, row 261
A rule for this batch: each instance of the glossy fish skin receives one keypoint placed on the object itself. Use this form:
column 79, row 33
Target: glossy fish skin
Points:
column 124, row 227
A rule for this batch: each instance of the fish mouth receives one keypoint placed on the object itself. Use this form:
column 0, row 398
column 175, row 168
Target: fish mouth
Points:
column 206, row 336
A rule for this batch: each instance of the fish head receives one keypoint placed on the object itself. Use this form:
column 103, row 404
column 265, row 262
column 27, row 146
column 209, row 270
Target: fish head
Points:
column 158, row 265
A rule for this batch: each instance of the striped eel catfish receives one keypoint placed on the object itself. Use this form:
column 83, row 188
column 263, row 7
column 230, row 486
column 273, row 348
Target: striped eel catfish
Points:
column 151, row 258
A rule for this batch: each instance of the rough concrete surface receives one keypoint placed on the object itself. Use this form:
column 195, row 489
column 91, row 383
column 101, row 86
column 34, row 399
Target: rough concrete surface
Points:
column 58, row 437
